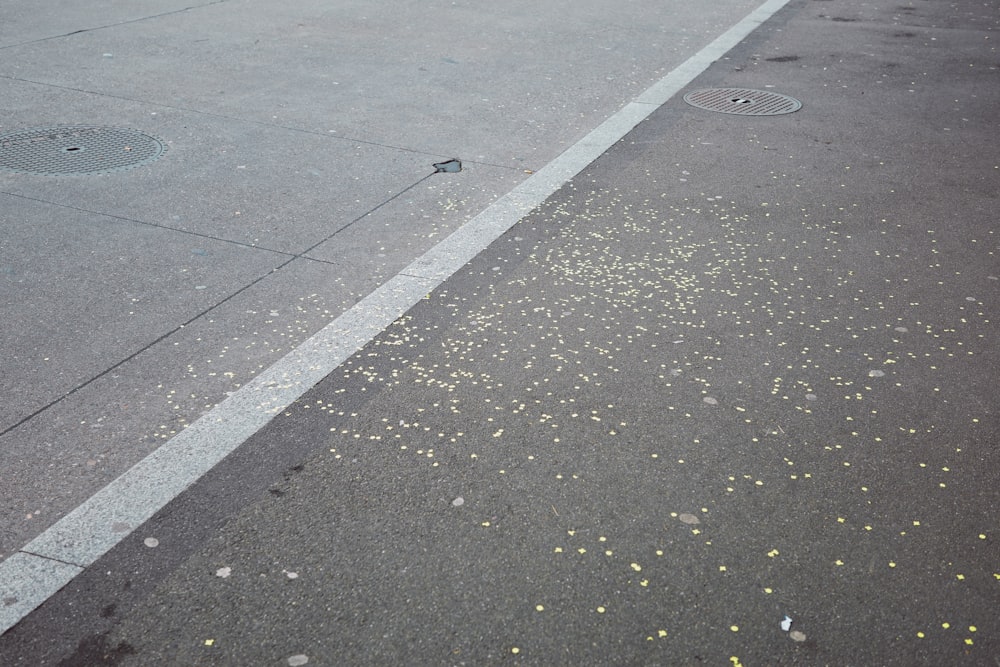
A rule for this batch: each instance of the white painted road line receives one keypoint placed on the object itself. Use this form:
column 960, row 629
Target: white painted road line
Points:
column 55, row 557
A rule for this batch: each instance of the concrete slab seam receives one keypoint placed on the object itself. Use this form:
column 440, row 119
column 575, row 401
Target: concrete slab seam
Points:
column 55, row 557
column 30, row 580
column 114, row 25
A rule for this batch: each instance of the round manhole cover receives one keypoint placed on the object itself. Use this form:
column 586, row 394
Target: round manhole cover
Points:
column 742, row 101
column 77, row 149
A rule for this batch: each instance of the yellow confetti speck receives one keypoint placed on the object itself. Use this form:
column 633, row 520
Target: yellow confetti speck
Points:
column 601, row 610
column 661, row 633
column 840, row 519
column 722, row 568
column 659, row 552
column 539, row 607
column 768, row 591
column 558, row 550
column 209, row 642
column 515, row 650
column 982, row 536
column 972, row 628
column 636, row 567
column 838, row 562
column 582, row 550
column 968, row 640
column 736, row 661
column 772, row 553
column 916, row 523
column 486, row 524
column 960, row 577
column 946, row 625
column 609, row 552
column 644, row 583
column 920, row 635
column 734, row 628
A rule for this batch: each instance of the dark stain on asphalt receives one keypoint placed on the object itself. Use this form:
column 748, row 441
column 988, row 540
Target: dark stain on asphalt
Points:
column 95, row 650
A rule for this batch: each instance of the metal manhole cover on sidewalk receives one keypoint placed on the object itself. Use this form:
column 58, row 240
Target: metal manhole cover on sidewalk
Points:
column 742, row 101
column 77, row 149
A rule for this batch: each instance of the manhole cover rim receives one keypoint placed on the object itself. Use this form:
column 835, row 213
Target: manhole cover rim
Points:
column 16, row 155
column 742, row 101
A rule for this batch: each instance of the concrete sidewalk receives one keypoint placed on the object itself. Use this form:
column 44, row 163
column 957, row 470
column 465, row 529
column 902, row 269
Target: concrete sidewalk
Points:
column 739, row 369
column 297, row 181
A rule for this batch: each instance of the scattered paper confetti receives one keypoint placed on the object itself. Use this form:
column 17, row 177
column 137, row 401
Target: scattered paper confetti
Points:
column 784, row 306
